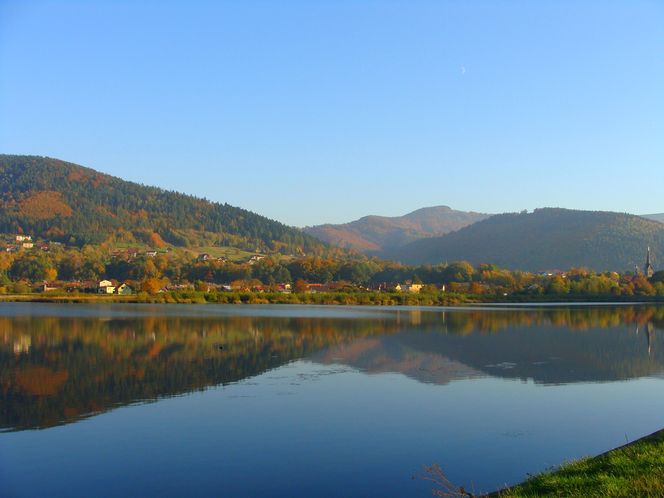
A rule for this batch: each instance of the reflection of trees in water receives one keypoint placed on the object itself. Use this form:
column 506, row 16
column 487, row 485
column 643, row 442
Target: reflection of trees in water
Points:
column 573, row 318
column 56, row 369
column 68, row 367
column 550, row 346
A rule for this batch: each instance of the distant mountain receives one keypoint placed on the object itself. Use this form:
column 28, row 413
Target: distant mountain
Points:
column 546, row 239
column 656, row 217
column 65, row 202
column 376, row 234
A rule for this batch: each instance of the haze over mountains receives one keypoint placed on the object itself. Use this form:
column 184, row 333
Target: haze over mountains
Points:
column 545, row 239
column 657, row 217
column 378, row 234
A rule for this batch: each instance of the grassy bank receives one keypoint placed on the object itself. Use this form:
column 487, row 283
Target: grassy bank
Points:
column 636, row 469
column 198, row 297
column 330, row 298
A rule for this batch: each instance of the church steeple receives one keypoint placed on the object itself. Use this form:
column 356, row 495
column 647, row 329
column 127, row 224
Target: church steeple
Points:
column 648, row 269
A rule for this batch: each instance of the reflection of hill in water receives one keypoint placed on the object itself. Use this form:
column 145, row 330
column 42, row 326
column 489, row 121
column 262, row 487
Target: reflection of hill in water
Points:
column 545, row 354
column 554, row 346
column 390, row 354
column 548, row 355
column 57, row 369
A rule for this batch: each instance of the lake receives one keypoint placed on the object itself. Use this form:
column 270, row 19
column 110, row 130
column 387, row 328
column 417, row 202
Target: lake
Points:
column 290, row 401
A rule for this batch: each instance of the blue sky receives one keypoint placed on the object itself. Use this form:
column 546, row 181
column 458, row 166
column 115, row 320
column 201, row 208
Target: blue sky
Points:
column 313, row 111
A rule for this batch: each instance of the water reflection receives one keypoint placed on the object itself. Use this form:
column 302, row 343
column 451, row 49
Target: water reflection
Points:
column 56, row 367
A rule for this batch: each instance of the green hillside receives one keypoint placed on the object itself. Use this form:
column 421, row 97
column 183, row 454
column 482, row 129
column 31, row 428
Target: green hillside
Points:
column 546, row 239
column 61, row 201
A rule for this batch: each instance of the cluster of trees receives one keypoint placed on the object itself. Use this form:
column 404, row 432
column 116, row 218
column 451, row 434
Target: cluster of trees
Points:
column 175, row 266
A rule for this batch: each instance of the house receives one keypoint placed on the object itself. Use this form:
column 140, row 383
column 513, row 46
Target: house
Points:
column 413, row 288
column 203, row 256
column 175, row 287
column 124, row 290
column 23, row 238
column 316, row 288
column 255, row 259
column 49, row 286
column 28, row 245
column 284, row 288
column 105, row 287
column 150, row 254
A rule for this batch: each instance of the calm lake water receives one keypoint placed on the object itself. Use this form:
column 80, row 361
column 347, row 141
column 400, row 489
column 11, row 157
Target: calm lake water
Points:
column 289, row 401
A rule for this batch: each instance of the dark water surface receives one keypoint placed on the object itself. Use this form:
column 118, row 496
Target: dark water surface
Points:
column 289, row 401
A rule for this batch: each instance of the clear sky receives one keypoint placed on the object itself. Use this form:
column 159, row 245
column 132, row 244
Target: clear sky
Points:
column 325, row 111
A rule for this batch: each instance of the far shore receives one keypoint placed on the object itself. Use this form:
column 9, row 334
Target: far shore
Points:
column 330, row 298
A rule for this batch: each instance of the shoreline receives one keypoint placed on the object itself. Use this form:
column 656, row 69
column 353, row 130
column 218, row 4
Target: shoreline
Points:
column 633, row 469
column 329, row 298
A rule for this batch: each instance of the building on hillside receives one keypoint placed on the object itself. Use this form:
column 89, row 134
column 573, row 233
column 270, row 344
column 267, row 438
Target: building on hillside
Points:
column 203, row 256
column 23, row 238
column 28, row 245
column 648, row 270
column 151, row 254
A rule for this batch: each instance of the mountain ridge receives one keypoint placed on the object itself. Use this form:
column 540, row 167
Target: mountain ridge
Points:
column 547, row 238
column 657, row 217
column 374, row 234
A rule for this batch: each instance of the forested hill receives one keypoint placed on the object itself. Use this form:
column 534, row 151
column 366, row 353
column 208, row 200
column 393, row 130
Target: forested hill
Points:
column 375, row 234
column 65, row 202
column 547, row 239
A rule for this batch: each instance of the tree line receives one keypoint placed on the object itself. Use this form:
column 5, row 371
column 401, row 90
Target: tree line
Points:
column 19, row 271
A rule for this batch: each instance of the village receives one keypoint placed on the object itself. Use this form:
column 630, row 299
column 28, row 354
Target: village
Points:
column 114, row 287
column 42, row 266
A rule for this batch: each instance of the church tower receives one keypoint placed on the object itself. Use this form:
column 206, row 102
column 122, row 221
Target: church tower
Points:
column 648, row 269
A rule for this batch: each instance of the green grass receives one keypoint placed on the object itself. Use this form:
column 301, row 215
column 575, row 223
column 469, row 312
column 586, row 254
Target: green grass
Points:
column 230, row 253
column 634, row 470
